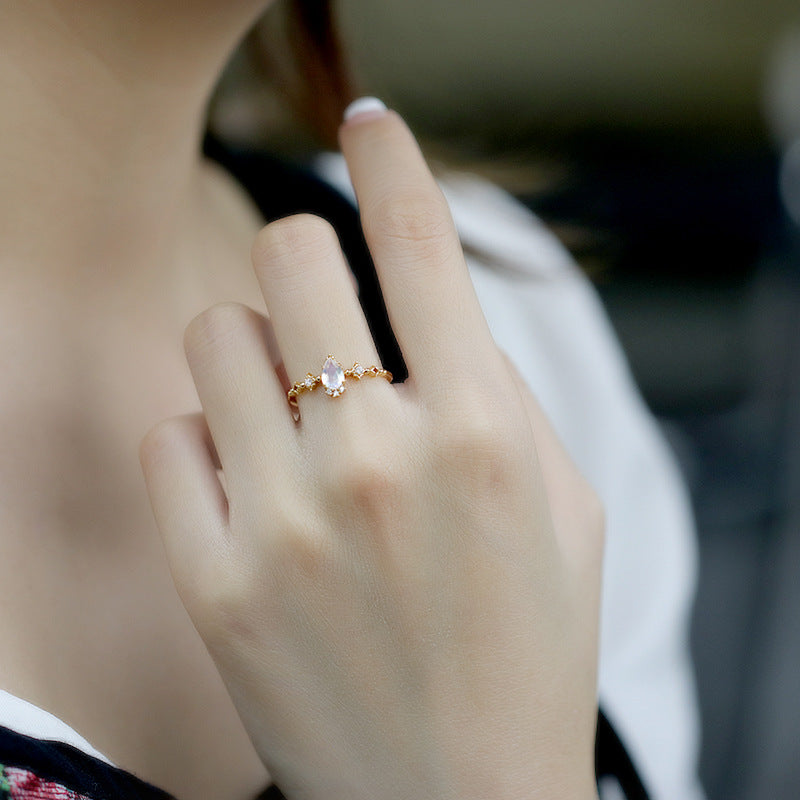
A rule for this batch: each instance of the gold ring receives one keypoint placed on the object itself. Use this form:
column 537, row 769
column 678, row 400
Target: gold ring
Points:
column 333, row 378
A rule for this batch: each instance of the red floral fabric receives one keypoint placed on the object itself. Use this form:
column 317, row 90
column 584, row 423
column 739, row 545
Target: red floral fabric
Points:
column 20, row 784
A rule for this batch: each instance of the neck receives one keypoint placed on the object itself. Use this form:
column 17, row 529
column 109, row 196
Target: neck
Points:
column 102, row 105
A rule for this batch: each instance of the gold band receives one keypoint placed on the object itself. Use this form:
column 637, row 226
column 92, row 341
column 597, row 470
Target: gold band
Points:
column 333, row 378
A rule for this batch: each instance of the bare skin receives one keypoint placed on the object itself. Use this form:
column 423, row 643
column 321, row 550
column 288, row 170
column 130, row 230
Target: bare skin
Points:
column 114, row 235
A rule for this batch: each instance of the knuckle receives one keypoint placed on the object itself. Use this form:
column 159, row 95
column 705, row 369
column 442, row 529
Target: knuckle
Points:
column 212, row 585
column 413, row 219
column 221, row 605
column 301, row 236
column 216, row 328
column 159, row 439
column 482, row 448
column 368, row 481
column 299, row 549
column 477, row 431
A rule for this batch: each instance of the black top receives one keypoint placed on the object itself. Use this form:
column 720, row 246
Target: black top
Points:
column 32, row 769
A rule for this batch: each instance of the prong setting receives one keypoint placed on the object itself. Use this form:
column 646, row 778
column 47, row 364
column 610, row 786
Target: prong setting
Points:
column 333, row 378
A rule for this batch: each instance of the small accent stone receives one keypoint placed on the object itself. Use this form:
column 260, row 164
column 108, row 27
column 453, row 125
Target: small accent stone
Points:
column 309, row 382
column 333, row 377
column 358, row 370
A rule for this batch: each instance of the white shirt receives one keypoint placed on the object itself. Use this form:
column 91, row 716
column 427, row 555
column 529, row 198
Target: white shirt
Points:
column 544, row 313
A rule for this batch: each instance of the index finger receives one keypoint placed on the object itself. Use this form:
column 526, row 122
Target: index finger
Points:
column 430, row 299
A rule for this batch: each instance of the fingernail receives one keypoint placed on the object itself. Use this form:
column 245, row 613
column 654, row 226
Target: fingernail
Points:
column 363, row 109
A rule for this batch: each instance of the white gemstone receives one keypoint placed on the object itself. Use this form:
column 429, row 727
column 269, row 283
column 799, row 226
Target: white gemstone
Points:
column 358, row 370
column 333, row 377
column 309, row 382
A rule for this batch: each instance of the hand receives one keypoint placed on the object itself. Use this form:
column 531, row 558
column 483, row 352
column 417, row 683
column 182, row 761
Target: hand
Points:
column 400, row 590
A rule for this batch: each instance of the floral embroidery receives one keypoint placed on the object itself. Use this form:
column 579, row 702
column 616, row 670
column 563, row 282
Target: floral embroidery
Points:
column 20, row 784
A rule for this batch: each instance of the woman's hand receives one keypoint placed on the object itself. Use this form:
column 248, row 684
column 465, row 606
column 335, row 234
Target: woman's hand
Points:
column 401, row 589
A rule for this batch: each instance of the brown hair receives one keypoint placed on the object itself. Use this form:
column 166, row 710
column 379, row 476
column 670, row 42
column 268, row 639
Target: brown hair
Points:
column 311, row 74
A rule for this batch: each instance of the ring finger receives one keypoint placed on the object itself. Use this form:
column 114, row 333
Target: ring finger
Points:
column 314, row 310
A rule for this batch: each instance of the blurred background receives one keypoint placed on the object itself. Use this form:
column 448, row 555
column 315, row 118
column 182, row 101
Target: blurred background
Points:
column 661, row 140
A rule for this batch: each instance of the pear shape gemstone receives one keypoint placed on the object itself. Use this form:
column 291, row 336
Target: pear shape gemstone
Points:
column 333, row 377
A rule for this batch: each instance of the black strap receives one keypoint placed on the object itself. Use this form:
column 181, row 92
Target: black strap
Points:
column 611, row 760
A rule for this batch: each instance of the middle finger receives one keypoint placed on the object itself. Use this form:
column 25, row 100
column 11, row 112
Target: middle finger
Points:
column 430, row 299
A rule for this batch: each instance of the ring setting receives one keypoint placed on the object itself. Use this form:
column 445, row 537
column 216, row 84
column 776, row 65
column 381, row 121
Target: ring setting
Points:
column 333, row 378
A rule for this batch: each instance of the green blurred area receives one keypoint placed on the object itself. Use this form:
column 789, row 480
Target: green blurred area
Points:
column 509, row 71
